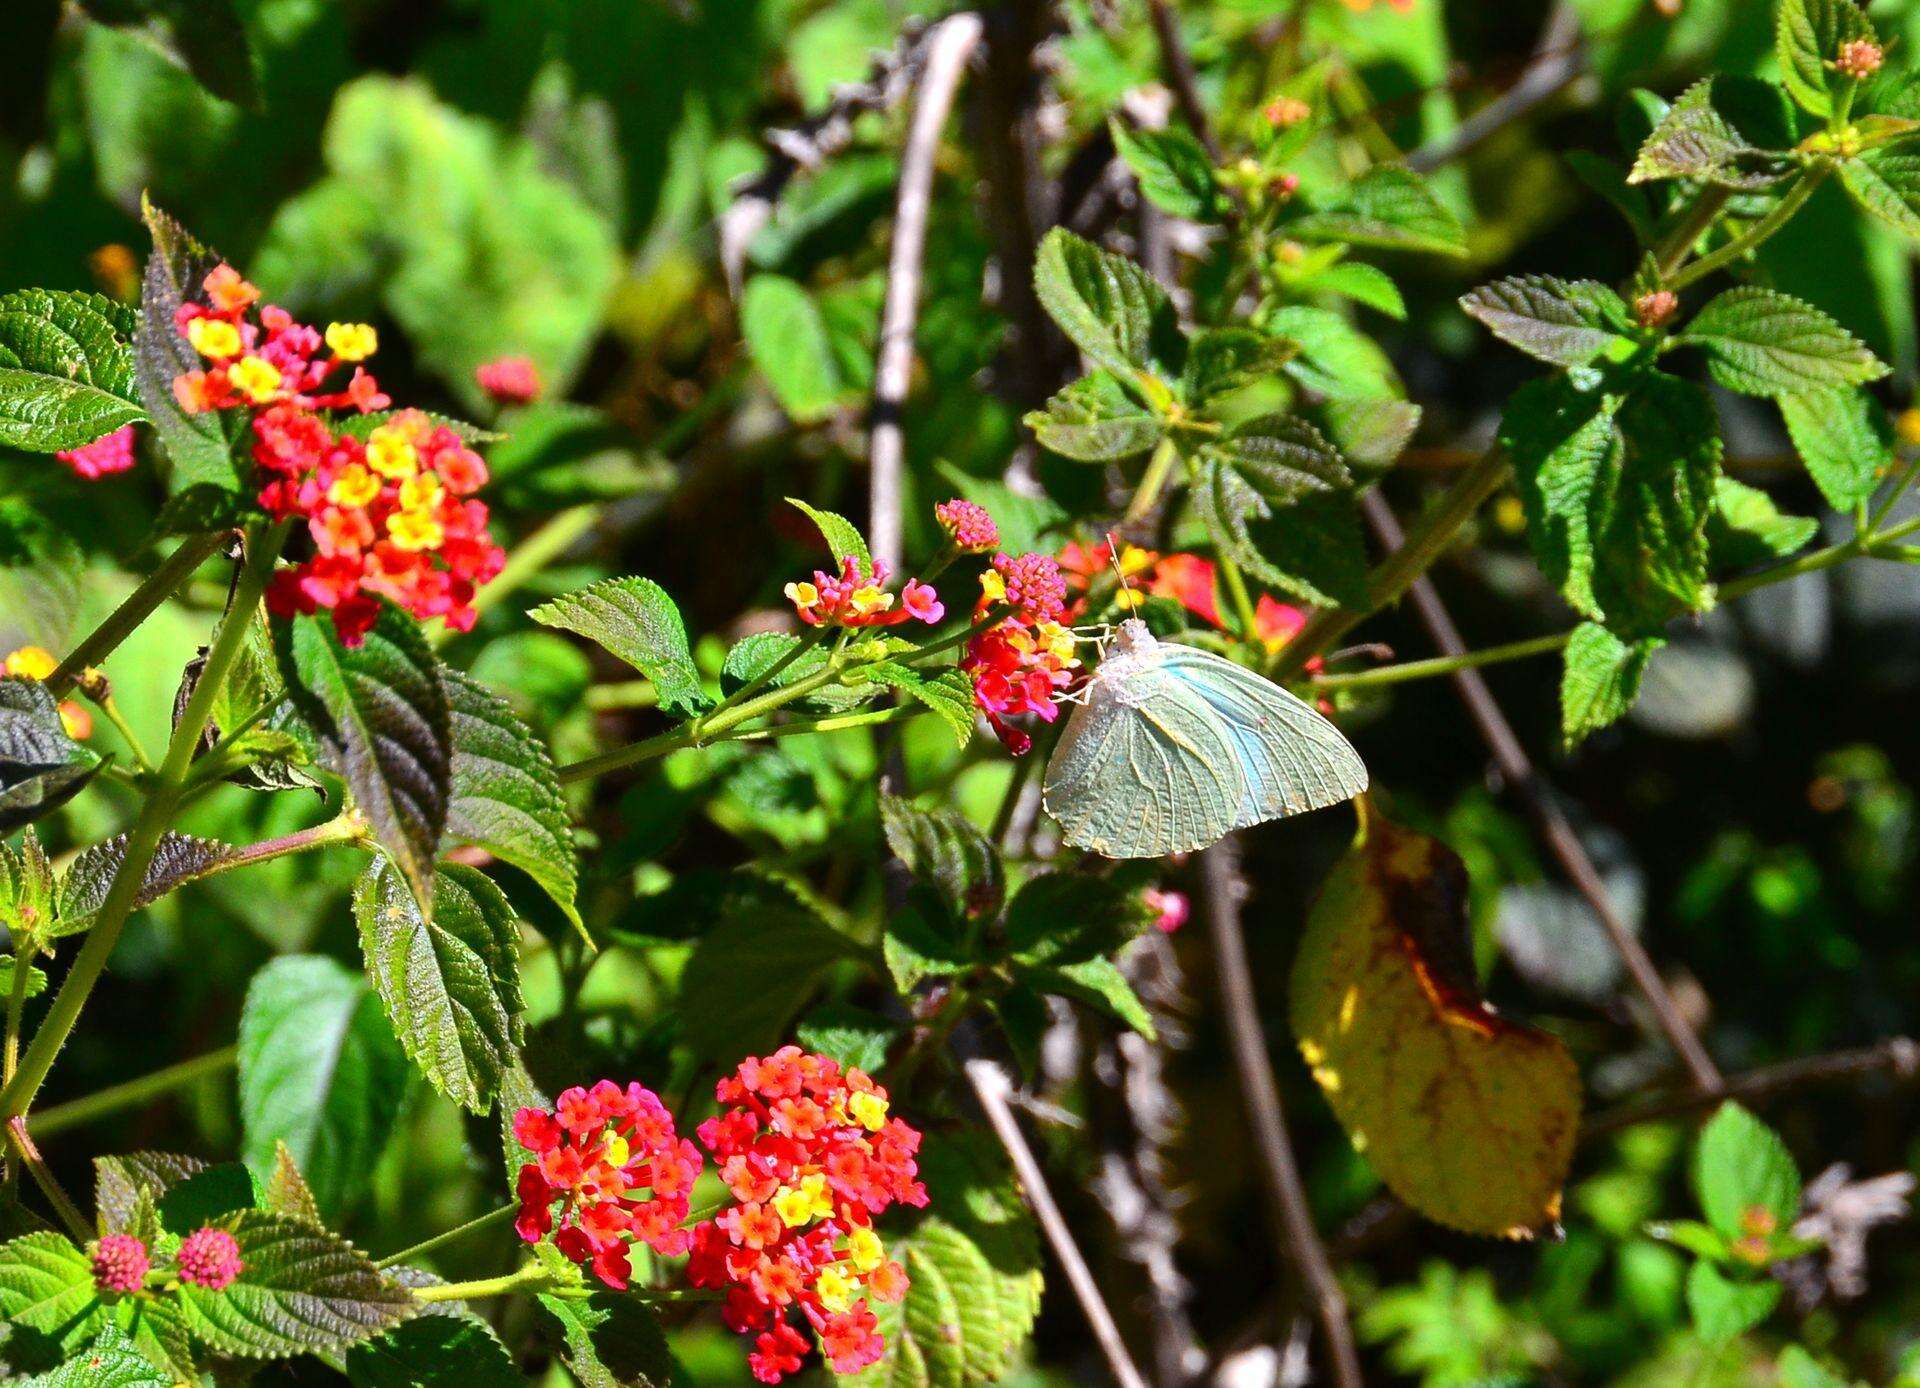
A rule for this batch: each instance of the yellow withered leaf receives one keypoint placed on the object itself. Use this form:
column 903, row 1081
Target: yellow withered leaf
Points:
column 1467, row 1115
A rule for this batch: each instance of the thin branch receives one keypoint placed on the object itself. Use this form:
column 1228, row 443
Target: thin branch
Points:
column 950, row 45
column 992, row 1086
column 1221, row 882
column 1559, row 58
column 1552, row 822
column 133, row 1094
column 1181, row 77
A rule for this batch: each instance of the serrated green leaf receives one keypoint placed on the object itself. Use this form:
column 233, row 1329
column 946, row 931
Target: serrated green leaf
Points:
column 125, row 1183
column 199, row 446
column 287, row 1191
column 610, row 1341
column 1761, row 342
column 300, row 1289
column 41, row 768
column 1174, row 170
column 1601, row 680
column 945, row 849
column 322, row 1077
column 450, row 983
column 1364, row 284
column 1886, row 183
column 1744, row 1177
column 1722, row 1308
column 46, row 1286
column 1094, row 420
column 1723, row 130
column 924, row 939
column 1388, row 206
column 949, row 694
column 384, row 726
column 758, row 652
column 433, row 1352
column 109, row 1361
column 843, row 537
column 1332, row 357
column 1106, row 304
column 1746, row 527
column 66, row 369
column 506, row 797
column 1808, row 35
column 788, row 340
column 26, row 887
column 634, row 619
column 1277, row 498
column 1221, row 361
column 1566, row 322
column 1059, row 918
column 851, row 1035
column 177, row 860
column 1100, row 984
column 36, row 978
column 1844, row 438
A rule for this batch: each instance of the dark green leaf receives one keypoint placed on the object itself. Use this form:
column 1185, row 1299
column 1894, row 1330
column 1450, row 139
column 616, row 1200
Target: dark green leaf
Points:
column 1746, row 528
column 947, row 850
column 206, row 1196
column 1388, row 206
column 123, row 1184
column 322, row 1077
column 1601, row 679
column 66, row 369
column 851, row 1035
column 506, row 797
column 1221, row 361
column 384, row 725
column 450, row 983
column 1723, row 130
column 300, row 1289
column 634, row 619
column 610, row 1341
column 1105, row 303
column 41, row 768
column 1062, row 918
column 1843, row 437
column 1566, row 322
column 1808, row 35
column 433, row 1352
column 203, row 507
column 1886, row 183
column 1097, row 983
column 1173, row 168
column 199, row 446
column 843, row 537
column 925, row 940
column 1094, row 420
column 177, row 860
column 1764, row 343
column 1278, row 500
column 205, row 37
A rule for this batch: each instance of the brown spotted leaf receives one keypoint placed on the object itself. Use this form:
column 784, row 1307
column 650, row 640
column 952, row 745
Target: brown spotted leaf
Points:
column 1467, row 1115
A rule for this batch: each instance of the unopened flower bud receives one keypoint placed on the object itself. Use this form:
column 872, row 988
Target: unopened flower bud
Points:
column 1655, row 309
column 1859, row 59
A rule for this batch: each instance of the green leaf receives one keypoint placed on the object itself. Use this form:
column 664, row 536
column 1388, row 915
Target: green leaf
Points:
column 1388, row 206
column 759, row 651
column 206, row 1196
column 1173, row 168
column 974, row 1263
column 66, row 369
column 36, row 979
column 634, row 619
column 944, row 848
column 124, row 1184
column 1221, row 361
column 1843, row 437
column 300, row 1289
column 1277, row 499
column 1808, row 35
column 788, row 340
column 1566, row 322
column 1364, row 284
column 41, row 768
column 1799, row 1369
column 1097, row 983
column 322, row 1077
column 506, row 797
column 1331, row 356
column 949, row 694
column 750, row 974
column 851, row 1035
column 1886, row 183
column 1746, row 528
column 287, row 1191
column 1601, row 680
column 1106, row 304
column 450, row 982
column 1690, row 1234
column 1723, row 130
column 26, row 887
column 1094, row 420
column 110, row 1361
column 1722, row 1308
column 433, row 1352
column 1065, row 917
column 206, row 38
column 46, row 1286
column 925, row 940
column 843, row 537
column 199, row 446
column 1744, row 1177
column 177, row 860
column 1760, row 342
column 1370, row 434
column 384, row 726
column 204, row 507
column 610, row 1341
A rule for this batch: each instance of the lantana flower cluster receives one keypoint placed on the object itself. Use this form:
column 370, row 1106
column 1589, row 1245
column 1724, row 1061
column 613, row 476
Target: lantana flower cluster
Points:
column 389, row 516
column 858, row 597
column 209, row 1258
column 1024, row 662
column 811, row 1155
column 609, row 1171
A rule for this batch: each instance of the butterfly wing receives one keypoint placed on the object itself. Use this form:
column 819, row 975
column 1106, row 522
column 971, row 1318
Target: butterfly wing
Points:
column 1152, row 774
column 1293, row 760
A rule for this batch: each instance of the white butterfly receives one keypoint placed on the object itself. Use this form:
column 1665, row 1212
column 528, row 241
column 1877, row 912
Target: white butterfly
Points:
column 1174, row 748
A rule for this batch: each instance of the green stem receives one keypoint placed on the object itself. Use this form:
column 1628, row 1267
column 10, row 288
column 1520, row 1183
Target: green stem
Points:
column 526, row 1276
column 488, row 1220
column 155, row 589
column 79, row 1112
column 1901, row 482
column 625, row 694
column 1242, row 600
column 111, row 708
column 29, row 1156
column 1673, row 248
column 990, row 618
column 832, row 724
column 810, row 641
column 1778, row 216
column 144, row 837
column 1152, row 482
column 1440, row 665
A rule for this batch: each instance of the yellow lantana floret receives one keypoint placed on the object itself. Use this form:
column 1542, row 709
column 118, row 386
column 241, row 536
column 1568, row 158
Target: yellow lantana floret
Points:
column 415, row 530
column 254, row 377
column 31, row 662
column 800, row 1205
column 835, row 1290
column 391, row 453
column 214, row 337
column 870, row 599
column 354, row 487
column 420, row 491
column 617, row 1150
column 993, row 587
column 865, row 1250
column 352, row 341
column 869, row 1110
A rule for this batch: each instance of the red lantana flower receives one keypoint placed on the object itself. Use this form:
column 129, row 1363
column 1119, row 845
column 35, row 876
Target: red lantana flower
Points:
column 106, row 455
column 609, row 1161
column 859, row 598
column 810, row 1155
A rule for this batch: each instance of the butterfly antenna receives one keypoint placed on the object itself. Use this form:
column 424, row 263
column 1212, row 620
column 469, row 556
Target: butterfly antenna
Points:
column 1120, row 572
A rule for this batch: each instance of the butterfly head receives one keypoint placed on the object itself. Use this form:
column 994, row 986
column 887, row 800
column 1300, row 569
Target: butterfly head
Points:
column 1134, row 637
